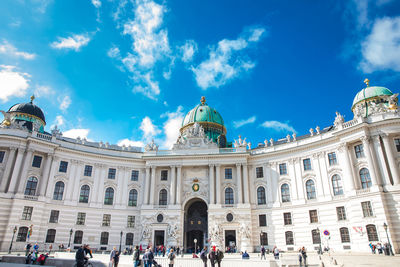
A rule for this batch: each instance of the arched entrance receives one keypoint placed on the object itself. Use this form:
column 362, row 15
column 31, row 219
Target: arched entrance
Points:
column 196, row 224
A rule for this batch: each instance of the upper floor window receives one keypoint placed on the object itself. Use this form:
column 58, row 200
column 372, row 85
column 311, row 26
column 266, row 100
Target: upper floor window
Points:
column 332, row 159
column 287, row 218
column 396, row 143
column 310, row 188
column 106, row 220
column 359, row 150
column 307, row 164
column 78, row 237
column 163, row 197
column 262, row 220
column 367, row 209
column 111, row 173
column 104, row 238
column 132, row 198
column 289, row 238
column 372, row 233
column 30, row 189
column 37, row 161
column 58, row 191
column 109, row 196
column 261, row 196
column 131, row 221
column 84, row 195
column 344, row 235
column 164, row 175
column 365, row 178
column 2, row 153
column 63, row 166
column 27, row 213
column 282, row 169
column 313, row 216
column 81, row 218
column 54, row 216
column 341, row 213
column 88, row 170
column 337, row 185
column 259, row 172
column 229, row 196
column 135, row 175
column 285, row 193
column 228, row 173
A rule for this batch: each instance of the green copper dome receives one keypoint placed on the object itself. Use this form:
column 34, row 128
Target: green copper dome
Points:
column 370, row 92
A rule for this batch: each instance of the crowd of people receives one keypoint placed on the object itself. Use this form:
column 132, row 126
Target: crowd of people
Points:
column 381, row 248
column 32, row 255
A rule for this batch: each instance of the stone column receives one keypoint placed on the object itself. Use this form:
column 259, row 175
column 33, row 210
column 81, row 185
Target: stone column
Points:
column 218, row 183
column 173, row 186
column 293, row 182
column 120, row 179
column 126, row 177
column 275, row 185
column 147, row 186
column 152, row 184
column 46, row 174
column 269, row 178
column 77, row 181
column 391, row 159
column 299, row 179
column 239, row 182
column 23, row 177
column 100, row 192
column 319, row 185
column 9, row 164
column 212, row 183
column 70, row 183
column 381, row 161
column 344, row 161
column 15, row 173
column 367, row 148
column 179, row 185
column 96, row 183
column 50, row 182
column 246, row 184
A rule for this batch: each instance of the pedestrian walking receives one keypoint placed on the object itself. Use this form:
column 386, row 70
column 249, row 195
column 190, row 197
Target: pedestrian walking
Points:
column 300, row 256
column 28, row 249
column 379, row 247
column 212, row 257
column 276, row 253
column 136, row 257
column 203, row 256
column 171, row 257
column 304, row 255
column 220, row 256
column 263, row 252
column 112, row 255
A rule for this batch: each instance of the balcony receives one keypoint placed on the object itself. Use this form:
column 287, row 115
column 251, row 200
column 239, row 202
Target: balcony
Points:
column 34, row 198
column 362, row 191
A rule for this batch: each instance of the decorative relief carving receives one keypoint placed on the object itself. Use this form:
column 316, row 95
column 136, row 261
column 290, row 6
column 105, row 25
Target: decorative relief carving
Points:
column 194, row 137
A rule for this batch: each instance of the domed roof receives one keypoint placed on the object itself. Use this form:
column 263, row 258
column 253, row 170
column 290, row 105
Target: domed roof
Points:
column 28, row 108
column 370, row 92
column 202, row 113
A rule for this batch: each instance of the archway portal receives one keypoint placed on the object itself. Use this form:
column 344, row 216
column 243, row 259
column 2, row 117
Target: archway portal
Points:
column 196, row 225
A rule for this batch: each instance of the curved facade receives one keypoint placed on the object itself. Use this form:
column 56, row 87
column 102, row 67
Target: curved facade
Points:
column 336, row 186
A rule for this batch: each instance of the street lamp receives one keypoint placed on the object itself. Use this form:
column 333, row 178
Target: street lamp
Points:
column 195, row 245
column 320, row 247
column 120, row 241
column 69, row 241
column 390, row 245
column 12, row 239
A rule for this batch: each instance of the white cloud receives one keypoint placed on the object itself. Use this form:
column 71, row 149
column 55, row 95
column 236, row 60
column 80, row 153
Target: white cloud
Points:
column 43, row 91
column 171, row 126
column 74, row 42
column 8, row 49
column 225, row 61
column 96, row 3
column 150, row 88
column 279, row 126
column 188, row 50
column 381, row 48
column 128, row 142
column 59, row 121
column 64, row 102
column 240, row 123
column 114, row 52
column 12, row 83
column 75, row 133
column 148, row 128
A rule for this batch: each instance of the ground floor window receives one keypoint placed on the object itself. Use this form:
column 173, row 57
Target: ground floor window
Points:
column 344, row 235
column 289, row 238
column 316, row 238
column 22, row 233
column 372, row 233
column 104, row 238
column 264, row 239
column 51, row 236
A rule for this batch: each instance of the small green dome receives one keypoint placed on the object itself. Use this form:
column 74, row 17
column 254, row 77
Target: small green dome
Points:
column 369, row 93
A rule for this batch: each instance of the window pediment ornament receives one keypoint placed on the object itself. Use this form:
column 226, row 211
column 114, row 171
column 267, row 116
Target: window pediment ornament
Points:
column 334, row 170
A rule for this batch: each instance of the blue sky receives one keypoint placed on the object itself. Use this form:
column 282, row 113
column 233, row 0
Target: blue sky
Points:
column 128, row 71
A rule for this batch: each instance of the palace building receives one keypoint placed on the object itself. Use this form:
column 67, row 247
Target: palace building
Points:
column 335, row 187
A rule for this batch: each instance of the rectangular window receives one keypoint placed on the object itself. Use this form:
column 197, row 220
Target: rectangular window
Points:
column 332, row 159
column 81, row 218
column 341, row 213
column 313, row 216
column 259, row 172
column 282, row 169
column 367, row 209
column 2, row 153
column 37, row 161
column 27, row 213
column 111, row 173
column 131, row 221
column 88, row 170
column 262, row 220
column 359, row 150
column 307, row 164
column 228, row 173
column 63, row 166
column 396, row 143
column 106, row 220
column 287, row 218
column 135, row 175
column 164, row 175
column 54, row 216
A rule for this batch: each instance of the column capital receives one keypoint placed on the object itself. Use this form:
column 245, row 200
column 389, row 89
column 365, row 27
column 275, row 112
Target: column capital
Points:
column 51, row 155
column 342, row 147
column 218, row 165
column 365, row 140
column 211, row 165
column 30, row 150
column 13, row 148
column 384, row 135
column 148, row 167
column 173, row 166
column 238, row 165
column 244, row 164
column 375, row 138
column 179, row 166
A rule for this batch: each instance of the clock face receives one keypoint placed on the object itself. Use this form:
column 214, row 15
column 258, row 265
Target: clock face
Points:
column 195, row 187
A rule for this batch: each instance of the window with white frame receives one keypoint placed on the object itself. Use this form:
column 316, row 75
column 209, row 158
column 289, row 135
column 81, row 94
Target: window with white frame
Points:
column 228, row 173
column 332, row 159
column 282, row 169
column 259, row 172
column 307, row 164
column 341, row 213
column 367, row 209
column 359, row 151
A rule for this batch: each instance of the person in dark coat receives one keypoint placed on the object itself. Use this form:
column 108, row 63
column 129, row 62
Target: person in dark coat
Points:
column 80, row 257
column 203, row 256
column 213, row 257
column 220, row 256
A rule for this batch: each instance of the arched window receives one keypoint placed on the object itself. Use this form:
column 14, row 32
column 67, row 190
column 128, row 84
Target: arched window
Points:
column 310, row 188
column 316, row 237
column 261, row 195
column 109, row 196
column 337, row 185
column 162, row 200
column 365, row 178
column 84, row 195
column 132, row 198
column 22, row 233
column 285, row 193
column 58, row 191
column 104, row 238
column 78, row 237
column 31, row 185
column 344, row 235
column 51, row 236
column 228, row 195
column 372, row 234
column 289, row 238
column 129, row 239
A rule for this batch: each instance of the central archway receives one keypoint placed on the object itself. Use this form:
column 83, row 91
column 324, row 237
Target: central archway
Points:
column 196, row 224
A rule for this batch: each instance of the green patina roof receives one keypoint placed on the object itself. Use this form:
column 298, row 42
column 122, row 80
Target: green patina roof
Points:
column 370, row 92
column 203, row 113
